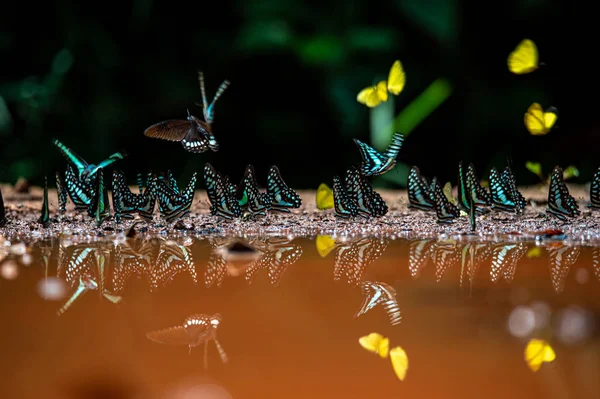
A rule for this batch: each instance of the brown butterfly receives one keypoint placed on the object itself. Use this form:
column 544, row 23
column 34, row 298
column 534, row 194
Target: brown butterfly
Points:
column 195, row 135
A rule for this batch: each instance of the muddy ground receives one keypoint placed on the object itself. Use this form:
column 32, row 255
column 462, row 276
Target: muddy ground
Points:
column 23, row 210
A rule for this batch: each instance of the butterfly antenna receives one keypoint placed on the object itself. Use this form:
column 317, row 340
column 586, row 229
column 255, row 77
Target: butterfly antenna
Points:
column 203, row 91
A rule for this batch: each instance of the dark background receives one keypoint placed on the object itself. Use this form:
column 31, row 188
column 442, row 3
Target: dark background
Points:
column 97, row 75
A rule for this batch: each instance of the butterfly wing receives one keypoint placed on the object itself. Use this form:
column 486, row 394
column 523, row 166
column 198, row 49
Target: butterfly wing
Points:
column 375, row 343
column 534, row 120
column 394, row 148
column 282, row 196
column 524, row 59
column 373, row 161
column 171, row 130
column 80, row 192
column 537, row 352
column 324, row 197
column 369, row 96
column 594, row 190
column 79, row 163
column 399, row 362
column 550, row 116
column 419, row 196
column 500, row 192
column 381, row 89
column 396, row 79
column 325, row 244
column 344, row 208
column 445, row 211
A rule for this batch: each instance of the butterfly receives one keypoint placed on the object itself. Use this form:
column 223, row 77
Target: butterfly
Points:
column 419, row 196
column 374, row 95
column 504, row 193
column 124, row 201
column 469, row 187
column 445, row 211
column 511, row 182
column 84, row 170
column 172, row 203
column 595, row 191
column 378, row 344
column 195, row 135
column 344, row 207
column 80, row 191
column 147, row 200
column 3, row 219
column 375, row 163
column 538, row 121
column 62, row 194
column 560, row 203
column 196, row 329
column 377, row 293
column 282, row 197
column 276, row 261
column 221, row 194
column 324, row 197
column 538, row 351
column 361, row 193
column 249, row 196
column 524, row 58
column 324, row 244
column 99, row 208
column 45, row 216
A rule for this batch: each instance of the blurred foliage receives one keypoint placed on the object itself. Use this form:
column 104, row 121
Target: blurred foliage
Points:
column 98, row 81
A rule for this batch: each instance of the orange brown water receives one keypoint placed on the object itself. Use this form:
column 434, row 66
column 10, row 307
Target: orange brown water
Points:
column 288, row 327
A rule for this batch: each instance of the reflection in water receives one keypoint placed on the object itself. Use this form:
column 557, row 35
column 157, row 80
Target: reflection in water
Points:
column 377, row 293
column 352, row 258
column 196, row 329
column 504, row 260
column 561, row 259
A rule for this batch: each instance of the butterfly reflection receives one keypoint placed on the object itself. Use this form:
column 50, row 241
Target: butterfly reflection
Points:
column 352, row 258
column 196, row 329
column 378, row 293
column 504, row 260
column 83, row 268
column 561, row 259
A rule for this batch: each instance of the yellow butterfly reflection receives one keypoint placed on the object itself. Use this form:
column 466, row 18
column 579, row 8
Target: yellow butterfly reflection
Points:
column 325, row 244
column 538, row 121
column 524, row 58
column 372, row 96
column 537, row 352
column 324, row 197
column 380, row 345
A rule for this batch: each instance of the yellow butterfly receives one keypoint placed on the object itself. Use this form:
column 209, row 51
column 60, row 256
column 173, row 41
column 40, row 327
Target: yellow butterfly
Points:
column 538, row 121
column 324, row 197
column 372, row 96
column 325, row 245
column 379, row 344
column 524, row 58
column 537, row 352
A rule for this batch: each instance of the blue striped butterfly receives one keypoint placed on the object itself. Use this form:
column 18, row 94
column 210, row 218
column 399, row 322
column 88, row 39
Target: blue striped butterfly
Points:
column 45, row 216
column 375, row 202
column 344, row 207
column 175, row 206
column 86, row 171
column 195, row 135
column 419, row 196
column 125, row 203
column 283, row 198
column 502, row 197
column 595, row 191
column 249, row 196
column 376, row 163
column 61, row 192
column 560, row 203
column 3, row 219
column 99, row 207
column 221, row 194
column 147, row 200
column 468, row 186
column 80, row 192
column 361, row 193
column 511, row 182
column 445, row 211
column 140, row 182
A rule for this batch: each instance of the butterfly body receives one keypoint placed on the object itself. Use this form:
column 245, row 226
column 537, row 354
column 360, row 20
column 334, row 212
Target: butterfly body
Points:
column 194, row 134
column 560, row 203
column 375, row 163
column 419, row 196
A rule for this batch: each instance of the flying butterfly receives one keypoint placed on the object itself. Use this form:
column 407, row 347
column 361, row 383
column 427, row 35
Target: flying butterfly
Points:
column 375, row 163
column 344, row 207
column 379, row 344
column 560, row 203
column 195, row 135
column 419, row 196
column 85, row 171
column 374, row 95
column 524, row 58
column 249, row 196
column 595, row 191
column 220, row 194
column 538, row 121
column 445, row 211
column 324, row 197
column 283, row 198
column 538, row 351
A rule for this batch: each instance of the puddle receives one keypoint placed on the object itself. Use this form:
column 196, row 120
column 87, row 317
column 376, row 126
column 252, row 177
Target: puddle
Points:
column 274, row 317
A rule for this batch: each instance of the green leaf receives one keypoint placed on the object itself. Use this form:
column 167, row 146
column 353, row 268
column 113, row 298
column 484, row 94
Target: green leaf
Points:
column 570, row 171
column 535, row 168
column 438, row 17
column 322, row 50
column 370, row 38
